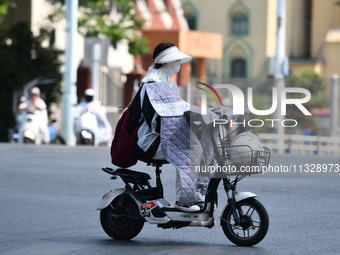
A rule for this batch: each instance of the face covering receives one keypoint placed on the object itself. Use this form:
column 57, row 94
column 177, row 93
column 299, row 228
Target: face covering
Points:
column 164, row 73
column 173, row 67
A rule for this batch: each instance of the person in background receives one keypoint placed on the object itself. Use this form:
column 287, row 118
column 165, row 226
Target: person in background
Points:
column 89, row 104
column 38, row 106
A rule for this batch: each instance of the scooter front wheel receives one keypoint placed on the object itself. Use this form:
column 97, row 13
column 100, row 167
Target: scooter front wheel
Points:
column 121, row 219
column 253, row 226
column 28, row 140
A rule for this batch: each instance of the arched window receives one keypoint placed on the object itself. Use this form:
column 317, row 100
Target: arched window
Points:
column 191, row 19
column 238, row 68
column 239, row 19
column 190, row 14
column 239, row 24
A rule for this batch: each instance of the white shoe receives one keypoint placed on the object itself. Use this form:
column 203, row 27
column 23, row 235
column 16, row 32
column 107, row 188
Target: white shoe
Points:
column 188, row 208
column 199, row 197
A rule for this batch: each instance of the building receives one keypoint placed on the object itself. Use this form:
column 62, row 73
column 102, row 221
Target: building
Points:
column 165, row 21
column 229, row 39
column 113, row 62
column 249, row 34
column 249, row 30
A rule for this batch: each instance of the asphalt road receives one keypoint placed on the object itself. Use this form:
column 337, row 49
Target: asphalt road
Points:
column 49, row 195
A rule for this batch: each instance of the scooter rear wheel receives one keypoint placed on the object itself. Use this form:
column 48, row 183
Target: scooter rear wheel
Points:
column 115, row 218
column 254, row 223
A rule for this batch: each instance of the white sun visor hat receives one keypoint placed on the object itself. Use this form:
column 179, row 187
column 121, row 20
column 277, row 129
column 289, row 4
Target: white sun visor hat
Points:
column 35, row 91
column 89, row 92
column 172, row 54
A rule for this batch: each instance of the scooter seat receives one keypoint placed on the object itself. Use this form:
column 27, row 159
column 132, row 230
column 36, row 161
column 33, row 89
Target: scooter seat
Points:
column 129, row 176
column 132, row 173
column 155, row 162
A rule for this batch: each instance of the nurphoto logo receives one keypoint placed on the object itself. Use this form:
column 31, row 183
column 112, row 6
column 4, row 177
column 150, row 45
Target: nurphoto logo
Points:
column 279, row 98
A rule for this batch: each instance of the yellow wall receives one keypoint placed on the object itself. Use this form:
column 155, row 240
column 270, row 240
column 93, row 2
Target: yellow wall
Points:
column 296, row 40
column 322, row 15
column 271, row 28
column 299, row 67
column 213, row 16
column 258, row 36
column 332, row 53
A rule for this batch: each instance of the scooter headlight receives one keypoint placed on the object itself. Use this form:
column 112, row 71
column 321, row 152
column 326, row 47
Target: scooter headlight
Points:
column 86, row 135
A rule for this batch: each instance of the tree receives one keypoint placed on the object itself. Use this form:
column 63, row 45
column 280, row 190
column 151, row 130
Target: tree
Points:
column 4, row 6
column 97, row 18
column 22, row 59
column 316, row 86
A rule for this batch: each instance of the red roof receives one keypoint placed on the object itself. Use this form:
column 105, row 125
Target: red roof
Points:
column 156, row 22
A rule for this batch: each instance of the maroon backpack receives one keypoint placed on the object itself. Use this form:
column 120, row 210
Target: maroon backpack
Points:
column 121, row 148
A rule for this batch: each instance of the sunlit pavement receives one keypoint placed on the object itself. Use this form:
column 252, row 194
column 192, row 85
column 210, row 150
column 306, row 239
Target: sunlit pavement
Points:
column 49, row 195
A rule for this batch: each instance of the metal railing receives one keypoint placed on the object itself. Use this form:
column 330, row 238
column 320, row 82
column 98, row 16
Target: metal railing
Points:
column 302, row 144
column 111, row 92
column 111, row 88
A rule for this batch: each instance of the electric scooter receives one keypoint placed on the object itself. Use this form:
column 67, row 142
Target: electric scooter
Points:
column 90, row 130
column 29, row 131
column 244, row 220
column 86, row 128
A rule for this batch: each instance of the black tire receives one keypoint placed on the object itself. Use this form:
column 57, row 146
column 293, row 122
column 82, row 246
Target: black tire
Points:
column 254, row 223
column 60, row 140
column 85, row 141
column 121, row 228
column 28, row 140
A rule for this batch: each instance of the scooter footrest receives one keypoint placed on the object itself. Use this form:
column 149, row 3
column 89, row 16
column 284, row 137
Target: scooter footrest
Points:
column 158, row 212
column 174, row 224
